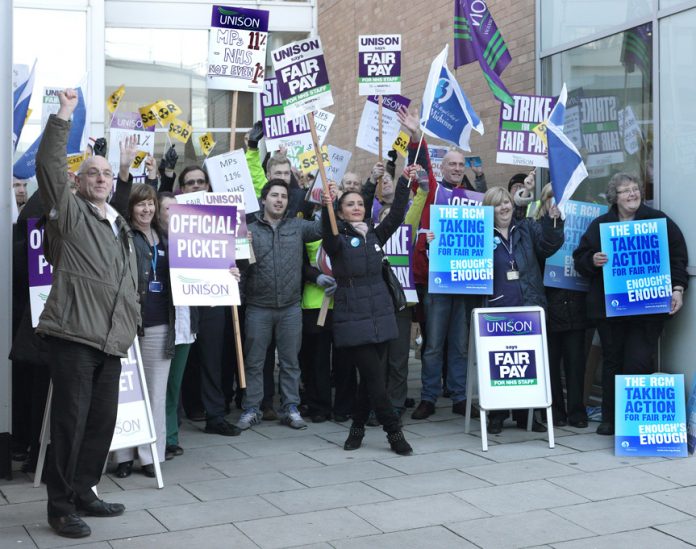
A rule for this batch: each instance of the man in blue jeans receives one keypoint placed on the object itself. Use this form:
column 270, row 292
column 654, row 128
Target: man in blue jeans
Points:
column 273, row 286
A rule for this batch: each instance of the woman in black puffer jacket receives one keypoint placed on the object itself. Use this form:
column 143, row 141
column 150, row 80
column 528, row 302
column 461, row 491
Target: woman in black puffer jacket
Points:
column 364, row 318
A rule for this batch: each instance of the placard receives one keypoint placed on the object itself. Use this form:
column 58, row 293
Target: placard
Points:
column 379, row 64
column 339, row 160
column 398, row 250
column 229, row 173
column 437, row 154
column 691, row 419
column 303, row 80
column 123, row 126
column 637, row 277
column 279, row 131
column 368, row 131
column 201, row 252
column 650, row 416
column 599, row 124
column 39, row 269
column 559, row 271
column 134, row 425
column 237, row 49
column 512, row 358
column 518, row 144
column 457, row 196
column 242, row 248
column 461, row 255
column 50, row 104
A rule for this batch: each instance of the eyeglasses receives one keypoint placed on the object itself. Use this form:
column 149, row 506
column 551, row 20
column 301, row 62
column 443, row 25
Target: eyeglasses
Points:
column 632, row 190
column 94, row 172
column 194, row 182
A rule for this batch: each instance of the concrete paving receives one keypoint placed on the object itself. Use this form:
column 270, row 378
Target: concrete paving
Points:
column 273, row 487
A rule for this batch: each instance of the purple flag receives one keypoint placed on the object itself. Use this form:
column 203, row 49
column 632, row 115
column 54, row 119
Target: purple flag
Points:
column 477, row 38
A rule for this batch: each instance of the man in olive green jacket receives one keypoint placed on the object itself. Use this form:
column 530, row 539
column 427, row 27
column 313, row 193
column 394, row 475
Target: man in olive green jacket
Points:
column 90, row 320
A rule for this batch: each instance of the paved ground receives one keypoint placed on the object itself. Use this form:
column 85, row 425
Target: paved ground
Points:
column 273, row 487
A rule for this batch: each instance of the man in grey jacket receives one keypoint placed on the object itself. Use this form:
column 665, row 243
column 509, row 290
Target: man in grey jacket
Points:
column 89, row 321
column 273, row 290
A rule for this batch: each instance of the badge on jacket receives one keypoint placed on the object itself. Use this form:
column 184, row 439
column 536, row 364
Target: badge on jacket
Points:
column 355, row 242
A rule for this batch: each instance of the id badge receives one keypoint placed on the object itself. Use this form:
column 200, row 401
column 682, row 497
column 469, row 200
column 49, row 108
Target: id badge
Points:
column 513, row 275
column 155, row 286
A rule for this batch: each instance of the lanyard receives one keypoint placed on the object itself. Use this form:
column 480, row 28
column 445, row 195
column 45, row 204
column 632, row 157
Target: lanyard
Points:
column 153, row 261
column 509, row 250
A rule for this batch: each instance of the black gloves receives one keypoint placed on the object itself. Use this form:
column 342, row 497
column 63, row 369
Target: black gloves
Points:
column 169, row 160
column 99, row 148
column 255, row 135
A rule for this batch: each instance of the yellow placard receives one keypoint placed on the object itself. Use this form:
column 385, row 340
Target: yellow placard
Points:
column 308, row 160
column 75, row 161
column 206, row 142
column 147, row 115
column 29, row 111
column 540, row 130
column 140, row 156
column 180, row 130
column 167, row 111
column 115, row 98
column 401, row 143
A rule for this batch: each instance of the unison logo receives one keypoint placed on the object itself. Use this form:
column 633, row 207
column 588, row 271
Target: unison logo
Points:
column 231, row 18
column 513, row 324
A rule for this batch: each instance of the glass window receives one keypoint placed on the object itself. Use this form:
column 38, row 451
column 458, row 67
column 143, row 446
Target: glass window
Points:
column 678, row 122
column 60, row 61
column 609, row 110
column 564, row 21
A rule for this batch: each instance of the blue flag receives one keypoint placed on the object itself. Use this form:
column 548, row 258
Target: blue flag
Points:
column 20, row 100
column 25, row 166
column 565, row 163
column 446, row 112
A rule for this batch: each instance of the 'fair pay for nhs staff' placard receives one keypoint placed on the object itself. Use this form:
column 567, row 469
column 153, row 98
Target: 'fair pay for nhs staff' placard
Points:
column 302, row 77
column 559, row 271
column 201, row 252
column 650, row 416
column 637, row 277
column 461, row 255
column 379, row 64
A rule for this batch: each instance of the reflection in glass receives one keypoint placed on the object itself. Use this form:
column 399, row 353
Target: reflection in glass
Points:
column 609, row 110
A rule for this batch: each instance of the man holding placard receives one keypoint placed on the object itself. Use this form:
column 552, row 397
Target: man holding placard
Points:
column 635, row 258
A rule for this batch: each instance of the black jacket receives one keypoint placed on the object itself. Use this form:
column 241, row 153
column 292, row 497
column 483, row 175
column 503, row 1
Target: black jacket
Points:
column 590, row 243
column 363, row 308
column 565, row 310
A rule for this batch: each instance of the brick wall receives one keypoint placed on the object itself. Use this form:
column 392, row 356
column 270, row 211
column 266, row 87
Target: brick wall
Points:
column 425, row 26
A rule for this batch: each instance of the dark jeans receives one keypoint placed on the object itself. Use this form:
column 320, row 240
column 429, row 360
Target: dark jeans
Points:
column 567, row 347
column 83, row 416
column 370, row 360
column 629, row 346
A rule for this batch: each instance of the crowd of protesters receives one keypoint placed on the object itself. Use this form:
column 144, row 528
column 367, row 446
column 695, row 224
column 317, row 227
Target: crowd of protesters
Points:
column 111, row 282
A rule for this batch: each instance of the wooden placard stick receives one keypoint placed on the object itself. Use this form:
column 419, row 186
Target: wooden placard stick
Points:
column 323, row 311
column 235, row 310
column 322, row 170
column 379, row 144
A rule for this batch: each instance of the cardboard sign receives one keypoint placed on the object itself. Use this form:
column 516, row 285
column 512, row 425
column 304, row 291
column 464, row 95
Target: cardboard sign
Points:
column 237, row 49
column 201, row 252
column 338, row 165
column 123, row 126
column 518, row 143
column 229, row 173
column 379, row 64
column 40, row 271
column 115, row 98
column 280, row 131
column 437, row 154
column 559, row 271
column 148, row 116
column 49, row 104
column 180, row 130
column 457, row 197
column 75, row 161
column 461, row 255
column 166, row 111
column 599, row 125
column 303, row 80
column 650, row 416
column 242, row 249
column 400, row 144
column 309, row 162
column 637, row 277
column 368, row 131
column 398, row 250
column 207, row 143
column 511, row 357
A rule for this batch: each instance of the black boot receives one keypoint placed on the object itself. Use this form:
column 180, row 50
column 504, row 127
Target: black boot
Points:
column 354, row 440
column 398, row 443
